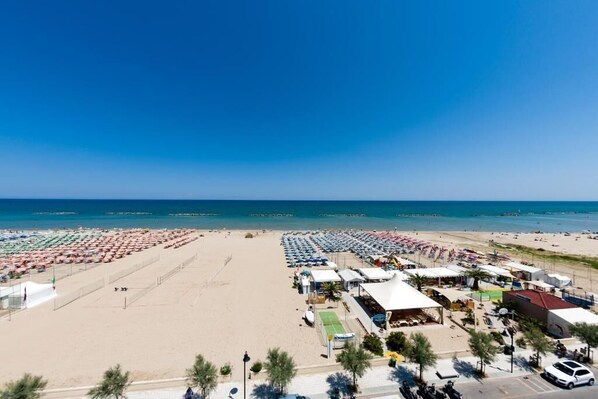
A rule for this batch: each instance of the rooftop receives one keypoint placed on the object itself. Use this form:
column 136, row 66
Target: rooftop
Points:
column 541, row 299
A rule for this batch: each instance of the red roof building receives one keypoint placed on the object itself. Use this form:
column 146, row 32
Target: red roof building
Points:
column 535, row 304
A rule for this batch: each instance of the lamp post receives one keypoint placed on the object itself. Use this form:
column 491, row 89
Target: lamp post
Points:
column 246, row 359
column 512, row 349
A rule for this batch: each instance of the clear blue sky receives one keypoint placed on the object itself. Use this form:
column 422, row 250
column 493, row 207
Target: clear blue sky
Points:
column 299, row 100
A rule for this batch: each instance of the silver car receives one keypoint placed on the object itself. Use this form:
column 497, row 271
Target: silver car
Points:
column 569, row 374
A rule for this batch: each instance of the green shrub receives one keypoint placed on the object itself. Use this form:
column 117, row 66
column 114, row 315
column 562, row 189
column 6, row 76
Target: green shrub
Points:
column 396, row 341
column 226, row 369
column 521, row 342
column 497, row 337
column 256, row 367
column 373, row 343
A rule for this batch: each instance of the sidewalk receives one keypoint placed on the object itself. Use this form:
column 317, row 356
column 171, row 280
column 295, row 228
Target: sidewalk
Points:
column 377, row 381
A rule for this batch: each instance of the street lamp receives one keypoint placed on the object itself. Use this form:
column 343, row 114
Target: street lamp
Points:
column 246, row 359
column 504, row 312
column 511, row 333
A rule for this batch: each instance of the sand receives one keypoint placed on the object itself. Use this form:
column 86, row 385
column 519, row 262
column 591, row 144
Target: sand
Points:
column 208, row 308
column 584, row 278
column 211, row 308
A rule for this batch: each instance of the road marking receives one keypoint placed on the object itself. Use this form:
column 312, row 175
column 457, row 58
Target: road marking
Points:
column 536, row 385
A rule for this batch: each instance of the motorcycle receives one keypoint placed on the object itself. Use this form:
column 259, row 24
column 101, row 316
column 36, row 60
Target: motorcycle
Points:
column 406, row 391
column 430, row 392
column 450, row 390
column 424, row 391
column 437, row 394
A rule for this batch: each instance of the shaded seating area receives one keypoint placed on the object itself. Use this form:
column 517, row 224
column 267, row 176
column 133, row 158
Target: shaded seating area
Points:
column 440, row 276
column 402, row 304
column 452, row 299
column 317, row 279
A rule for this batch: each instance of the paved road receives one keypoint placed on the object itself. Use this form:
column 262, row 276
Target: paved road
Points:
column 523, row 387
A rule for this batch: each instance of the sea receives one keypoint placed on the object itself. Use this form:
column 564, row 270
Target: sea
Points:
column 508, row 216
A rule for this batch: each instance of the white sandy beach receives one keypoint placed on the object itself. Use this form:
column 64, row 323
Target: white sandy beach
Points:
column 217, row 311
column 209, row 308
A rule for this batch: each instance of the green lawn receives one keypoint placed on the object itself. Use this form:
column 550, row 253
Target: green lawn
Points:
column 331, row 323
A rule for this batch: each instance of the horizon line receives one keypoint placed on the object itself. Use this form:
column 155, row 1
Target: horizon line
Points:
column 293, row 200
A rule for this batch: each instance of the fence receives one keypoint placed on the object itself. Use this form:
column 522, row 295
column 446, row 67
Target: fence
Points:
column 138, row 266
column 139, row 294
column 62, row 301
column 161, row 279
column 483, row 296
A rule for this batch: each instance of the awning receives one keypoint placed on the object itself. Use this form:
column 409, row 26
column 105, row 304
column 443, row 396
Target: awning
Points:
column 496, row 271
column 451, row 295
column 434, row 272
column 324, row 276
column 375, row 273
column 397, row 295
column 350, row 275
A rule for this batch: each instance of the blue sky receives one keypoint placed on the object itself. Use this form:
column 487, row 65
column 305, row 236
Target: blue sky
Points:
column 299, row 100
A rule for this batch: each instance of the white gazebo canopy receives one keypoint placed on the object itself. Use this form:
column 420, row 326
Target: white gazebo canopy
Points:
column 349, row 275
column 434, row 272
column 331, row 265
column 397, row 295
column 496, row 271
column 540, row 284
column 324, row 276
column 533, row 271
column 375, row 273
column 457, row 268
column 451, row 294
column 400, row 274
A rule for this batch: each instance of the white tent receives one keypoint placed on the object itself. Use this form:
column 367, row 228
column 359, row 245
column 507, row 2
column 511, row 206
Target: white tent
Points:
column 324, row 276
column 559, row 320
column 350, row 278
column 375, row 273
column 36, row 295
column 434, row 272
column 496, row 271
column 533, row 272
column 399, row 273
column 539, row 285
column 557, row 280
column 397, row 295
column 405, row 262
column 457, row 268
column 452, row 294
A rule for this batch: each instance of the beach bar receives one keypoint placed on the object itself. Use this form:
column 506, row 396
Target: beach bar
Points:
column 402, row 304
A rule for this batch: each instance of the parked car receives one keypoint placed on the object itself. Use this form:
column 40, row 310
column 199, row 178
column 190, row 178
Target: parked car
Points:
column 569, row 374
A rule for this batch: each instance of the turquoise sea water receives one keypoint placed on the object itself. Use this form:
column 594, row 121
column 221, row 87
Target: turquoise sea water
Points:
column 291, row 215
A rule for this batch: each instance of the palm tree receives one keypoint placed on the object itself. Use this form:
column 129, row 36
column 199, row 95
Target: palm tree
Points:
column 587, row 333
column 419, row 350
column 281, row 369
column 355, row 360
column 418, row 280
column 113, row 385
column 538, row 341
column 477, row 275
column 482, row 346
column 332, row 291
column 28, row 387
column 203, row 375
